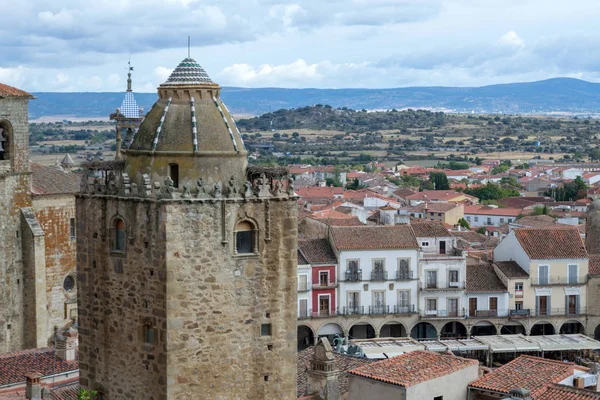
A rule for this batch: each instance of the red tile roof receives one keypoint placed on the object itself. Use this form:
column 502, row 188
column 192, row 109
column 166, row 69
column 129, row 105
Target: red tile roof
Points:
column 558, row 241
column 9, row 91
column 423, row 228
column 527, row 372
column 51, row 180
column 352, row 221
column 511, row 269
column 434, row 207
column 413, row 368
column 436, row 195
column 374, row 237
column 563, row 392
column 594, row 266
column 317, row 251
column 535, row 221
column 481, row 278
column 14, row 366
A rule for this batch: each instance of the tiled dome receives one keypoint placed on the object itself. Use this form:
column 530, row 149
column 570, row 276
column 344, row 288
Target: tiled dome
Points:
column 188, row 72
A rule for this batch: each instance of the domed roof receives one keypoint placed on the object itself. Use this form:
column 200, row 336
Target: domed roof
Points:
column 188, row 117
column 188, row 72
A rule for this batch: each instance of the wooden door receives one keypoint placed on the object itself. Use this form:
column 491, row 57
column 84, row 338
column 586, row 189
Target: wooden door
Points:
column 493, row 306
column 543, row 305
column 472, row 307
column 324, row 305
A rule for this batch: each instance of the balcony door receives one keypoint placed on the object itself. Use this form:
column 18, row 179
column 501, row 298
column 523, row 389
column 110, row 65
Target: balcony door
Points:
column 403, row 301
column 572, row 304
column 303, row 309
column 353, row 302
column 324, row 305
column 543, row 304
column 453, row 307
column 431, row 279
column 473, row 307
column 442, row 247
column 378, row 302
column 493, row 306
column 303, row 283
column 323, row 278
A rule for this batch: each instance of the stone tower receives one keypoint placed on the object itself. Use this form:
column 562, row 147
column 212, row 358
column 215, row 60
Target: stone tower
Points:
column 15, row 180
column 592, row 228
column 186, row 259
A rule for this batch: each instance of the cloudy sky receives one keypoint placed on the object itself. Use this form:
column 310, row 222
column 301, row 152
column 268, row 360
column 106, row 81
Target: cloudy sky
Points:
column 74, row 45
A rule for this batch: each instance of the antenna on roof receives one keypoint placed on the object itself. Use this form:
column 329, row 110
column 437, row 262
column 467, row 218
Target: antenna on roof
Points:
column 188, row 46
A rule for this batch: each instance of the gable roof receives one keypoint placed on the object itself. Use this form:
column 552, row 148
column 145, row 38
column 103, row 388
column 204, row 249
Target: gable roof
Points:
column 317, row 251
column 413, row 368
column 481, row 278
column 374, row 237
column 403, row 192
column 51, row 180
column 423, row 228
column 352, row 221
column 564, row 392
column 535, row 221
column 485, row 210
column 527, row 372
column 559, row 241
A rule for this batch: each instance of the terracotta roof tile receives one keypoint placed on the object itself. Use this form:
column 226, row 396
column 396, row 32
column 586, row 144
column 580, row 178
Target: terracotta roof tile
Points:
column 527, row 372
column 374, row 237
column 14, row 366
column 52, row 180
column 535, row 221
column 9, row 91
column 343, row 362
column 352, row 221
column 317, row 251
column 482, row 278
column 423, row 228
column 484, row 210
column 404, row 192
column 434, row 207
column 511, row 269
column 560, row 241
column 69, row 392
column 563, row 392
column 413, row 368
column 301, row 259
column 594, row 268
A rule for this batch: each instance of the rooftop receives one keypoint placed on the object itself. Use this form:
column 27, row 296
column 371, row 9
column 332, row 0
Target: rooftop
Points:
column 563, row 392
column 528, row 372
column 511, row 269
column 317, row 251
column 14, row 366
column 535, row 221
column 374, row 237
column 482, row 278
column 9, row 91
column 48, row 180
column 559, row 241
column 485, row 210
column 413, row 368
column 423, row 228
column 188, row 72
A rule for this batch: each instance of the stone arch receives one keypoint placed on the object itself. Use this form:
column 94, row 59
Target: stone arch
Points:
column 513, row 328
column 597, row 333
column 483, row 328
column 362, row 330
column 306, row 336
column 423, row 330
column 453, row 329
column 6, row 140
column 330, row 330
column 542, row 328
column 392, row 329
column 572, row 326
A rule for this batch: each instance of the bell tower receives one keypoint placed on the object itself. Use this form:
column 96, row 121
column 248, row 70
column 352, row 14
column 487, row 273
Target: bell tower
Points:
column 187, row 259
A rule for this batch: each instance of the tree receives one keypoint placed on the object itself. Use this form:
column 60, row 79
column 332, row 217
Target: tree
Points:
column 85, row 394
column 541, row 210
column 355, row 185
column 464, row 223
column 482, row 230
column 439, row 181
column 295, row 134
column 492, row 191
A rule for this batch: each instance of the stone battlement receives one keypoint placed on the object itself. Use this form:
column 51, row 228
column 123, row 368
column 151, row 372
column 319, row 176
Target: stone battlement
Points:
column 116, row 183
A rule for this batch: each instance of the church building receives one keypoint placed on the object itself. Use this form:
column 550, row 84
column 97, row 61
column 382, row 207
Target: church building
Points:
column 187, row 259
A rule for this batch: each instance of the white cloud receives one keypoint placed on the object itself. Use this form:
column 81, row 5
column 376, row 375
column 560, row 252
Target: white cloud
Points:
column 162, row 73
column 511, row 39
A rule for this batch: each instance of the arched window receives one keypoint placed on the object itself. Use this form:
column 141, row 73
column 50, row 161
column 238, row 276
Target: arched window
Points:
column 119, row 235
column 5, row 141
column 245, row 238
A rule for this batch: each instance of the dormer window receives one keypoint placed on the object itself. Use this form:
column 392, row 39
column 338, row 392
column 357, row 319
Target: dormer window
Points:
column 245, row 238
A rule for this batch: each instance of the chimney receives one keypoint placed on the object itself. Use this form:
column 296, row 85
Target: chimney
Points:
column 323, row 373
column 33, row 387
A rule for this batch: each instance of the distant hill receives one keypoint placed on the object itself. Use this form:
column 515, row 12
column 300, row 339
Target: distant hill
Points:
column 552, row 95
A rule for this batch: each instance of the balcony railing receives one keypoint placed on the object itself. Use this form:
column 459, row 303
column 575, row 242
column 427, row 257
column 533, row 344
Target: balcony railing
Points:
column 324, row 285
column 304, row 287
column 559, row 280
column 379, row 276
column 549, row 312
column 353, row 276
column 488, row 314
column 405, row 275
column 442, row 314
column 438, row 286
column 360, row 310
